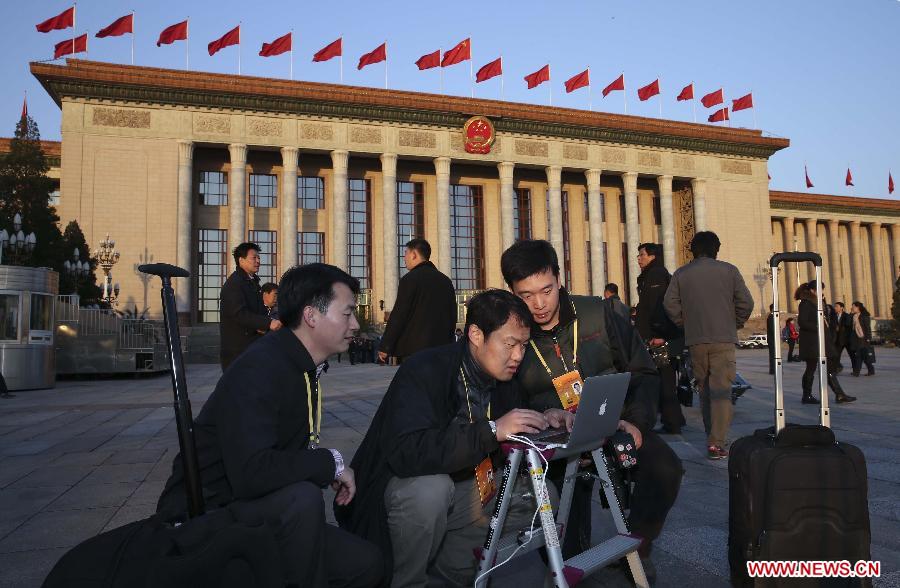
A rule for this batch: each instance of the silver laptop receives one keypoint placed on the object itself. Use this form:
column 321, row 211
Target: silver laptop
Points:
column 599, row 411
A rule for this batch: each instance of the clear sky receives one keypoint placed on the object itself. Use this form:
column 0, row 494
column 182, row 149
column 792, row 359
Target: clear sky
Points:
column 824, row 73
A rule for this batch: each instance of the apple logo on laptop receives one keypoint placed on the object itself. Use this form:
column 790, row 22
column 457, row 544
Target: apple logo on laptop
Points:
column 602, row 408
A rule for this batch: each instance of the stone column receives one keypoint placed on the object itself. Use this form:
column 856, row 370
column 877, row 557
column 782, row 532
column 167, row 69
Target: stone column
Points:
column 288, row 208
column 856, row 261
column 595, row 225
column 838, row 288
column 632, row 232
column 555, row 222
column 442, row 171
column 667, row 219
column 812, row 244
column 790, row 269
column 507, row 204
column 237, row 195
column 880, row 292
column 340, row 194
column 185, row 226
column 389, row 201
column 698, row 186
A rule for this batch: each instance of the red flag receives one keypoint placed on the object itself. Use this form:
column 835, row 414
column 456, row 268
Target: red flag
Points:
column 63, row 20
column 462, row 52
column 25, row 108
column 687, row 93
column 848, row 181
column 770, row 175
column 651, row 89
column 232, row 37
column 890, row 183
column 618, row 84
column 333, row 49
column 280, row 45
column 539, row 77
column 490, row 70
column 742, row 103
column 429, row 60
column 69, row 46
column 809, row 183
column 719, row 115
column 176, row 32
column 579, row 81
column 120, row 26
column 713, row 98
column 377, row 55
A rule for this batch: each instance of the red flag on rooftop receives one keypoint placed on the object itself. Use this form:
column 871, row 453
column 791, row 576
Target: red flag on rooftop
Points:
column 333, row 49
column 175, row 32
column 377, row 55
column 848, row 181
column 651, row 89
column 539, row 77
column 713, row 98
column 462, row 52
column 232, row 37
column 490, row 70
column 429, row 60
column 120, row 26
column 719, row 115
column 618, row 84
column 809, row 183
column 63, row 20
column 25, row 108
column 580, row 80
column 890, row 183
column 70, row 46
column 687, row 93
column 280, row 45
column 742, row 103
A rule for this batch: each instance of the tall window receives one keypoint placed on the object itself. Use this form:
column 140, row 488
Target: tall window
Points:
column 605, row 264
column 268, row 255
column 567, row 257
column 310, row 247
column 625, row 289
column 522, row 215
column 310, row 193
column 410, row 217
column 467, row 237
column 657, row 211
column 587, row 215
column 622, row 208
column 359, row 245
column 212, row 269
column 263, row 188
column 213, row 188
column 590, row 269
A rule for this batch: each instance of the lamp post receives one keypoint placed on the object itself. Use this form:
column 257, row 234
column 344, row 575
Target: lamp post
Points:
column 107, row 257
column 17, row 246
column 761, row 276
column 78, row 270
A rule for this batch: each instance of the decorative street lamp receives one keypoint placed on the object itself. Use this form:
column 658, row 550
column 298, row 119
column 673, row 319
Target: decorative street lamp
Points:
column 78, row 270
column 108, row 257
column 762, row 275
column 17, row 246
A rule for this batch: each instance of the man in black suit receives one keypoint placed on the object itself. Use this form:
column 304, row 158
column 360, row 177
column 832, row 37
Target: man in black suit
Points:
column 424, row 314
column 842, row 330
column 243, row 316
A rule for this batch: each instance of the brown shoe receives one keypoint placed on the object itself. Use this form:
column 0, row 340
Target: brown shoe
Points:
column 716, row 452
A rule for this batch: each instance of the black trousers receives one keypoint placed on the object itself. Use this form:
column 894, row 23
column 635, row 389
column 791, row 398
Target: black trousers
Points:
column 669, row 407
column 791, row 343
column 812, row 367
column 860, row 356
column 313, row 553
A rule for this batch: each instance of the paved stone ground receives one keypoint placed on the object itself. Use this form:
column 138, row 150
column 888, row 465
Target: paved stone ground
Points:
column 89, row 456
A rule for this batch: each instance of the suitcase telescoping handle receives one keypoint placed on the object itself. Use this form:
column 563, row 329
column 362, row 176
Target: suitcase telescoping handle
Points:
column 184, row 420
column 816, row 260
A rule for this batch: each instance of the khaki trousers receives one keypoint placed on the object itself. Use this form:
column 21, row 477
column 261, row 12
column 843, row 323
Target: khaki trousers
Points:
column 714, row 369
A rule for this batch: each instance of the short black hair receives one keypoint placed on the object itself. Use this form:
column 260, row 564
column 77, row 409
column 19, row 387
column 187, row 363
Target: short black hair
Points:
column 705, row 244
column 268, row 287
column 611, row 287
column 527, row 258
column 421, row 246
column 654, row 249
column 310, row 285
column 242, row 250
column 841, row 304
column 489, row 310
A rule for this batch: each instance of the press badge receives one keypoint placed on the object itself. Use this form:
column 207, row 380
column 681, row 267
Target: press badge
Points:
column 568, row 388
column 484, row 479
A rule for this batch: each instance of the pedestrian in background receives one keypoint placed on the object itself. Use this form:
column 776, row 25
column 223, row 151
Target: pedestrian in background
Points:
column 861, row 339
column 808, row 319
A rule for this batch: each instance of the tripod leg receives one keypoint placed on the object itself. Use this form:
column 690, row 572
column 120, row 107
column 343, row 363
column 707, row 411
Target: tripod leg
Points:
column 501, row 508
column 554, row 550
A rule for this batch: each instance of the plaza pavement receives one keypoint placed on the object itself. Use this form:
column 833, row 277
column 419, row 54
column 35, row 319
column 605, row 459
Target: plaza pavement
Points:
column 91, row 455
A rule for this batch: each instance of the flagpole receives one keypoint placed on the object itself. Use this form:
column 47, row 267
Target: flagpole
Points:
column 659, row 96
column 693, row 102
column 550, row 83
column 471, row 67
column 590, row 99
column 187, row 45
column 728, row 114
column 441, row 68
column 239, row 47
column 755, row 125
column 624, row 93
column 74, row 26
column 292, row 55
column 501, row 76
column 385, row 64
column 341, row 58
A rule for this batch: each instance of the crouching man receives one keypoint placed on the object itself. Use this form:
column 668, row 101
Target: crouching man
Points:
column 425, row 469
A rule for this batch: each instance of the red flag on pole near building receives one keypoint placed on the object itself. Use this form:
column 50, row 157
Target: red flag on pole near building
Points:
column 280, row 45
column 333, row 49
column 890, row 183
column 809, row 183
column 687, row 93
column 618, row 84
column 63, row 20
column 462, row 52
column 429, row 60
column 70, row 46
column 742, row 103
column 377, row 55
column 648, row 91
column 713, row 98
column 848, row 181
column 170, row 34
column 719, row 115
column 490, row 70
column 232, row 37
column 25, row 108
column 539, row 77
column 120, row 26
column 581, row 80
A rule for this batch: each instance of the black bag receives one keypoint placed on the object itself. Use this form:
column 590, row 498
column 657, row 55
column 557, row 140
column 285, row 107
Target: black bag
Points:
column 795, row 494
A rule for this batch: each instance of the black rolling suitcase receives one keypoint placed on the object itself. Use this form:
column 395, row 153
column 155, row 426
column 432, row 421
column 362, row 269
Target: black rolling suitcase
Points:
column 795, row 493
column 208, row 550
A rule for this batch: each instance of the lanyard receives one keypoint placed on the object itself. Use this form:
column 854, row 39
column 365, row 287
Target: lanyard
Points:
column 313, row 430
column 559, row 353
column 468, row 403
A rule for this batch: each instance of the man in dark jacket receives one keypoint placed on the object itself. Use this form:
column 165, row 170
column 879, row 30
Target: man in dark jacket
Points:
column 611, row 293
column 424, row 314
column 257, row 437
column 444, row 415
column 243, row 316
column 808, row 321
column 658, row 331
column 843, row 331
column 583, row 336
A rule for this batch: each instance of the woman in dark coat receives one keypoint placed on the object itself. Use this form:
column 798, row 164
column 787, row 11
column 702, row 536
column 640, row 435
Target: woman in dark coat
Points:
column 807, row 319
column 861, row 339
